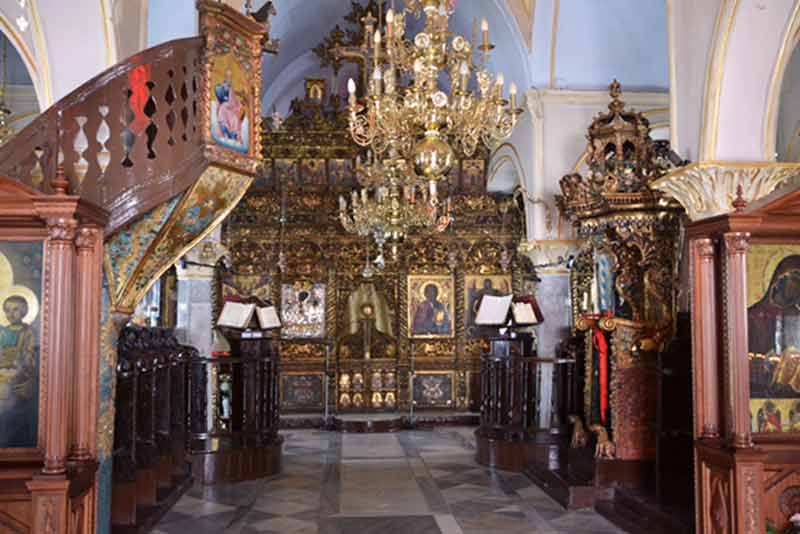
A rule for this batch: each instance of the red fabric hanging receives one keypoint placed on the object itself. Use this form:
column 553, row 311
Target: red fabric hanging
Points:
column 601, row 345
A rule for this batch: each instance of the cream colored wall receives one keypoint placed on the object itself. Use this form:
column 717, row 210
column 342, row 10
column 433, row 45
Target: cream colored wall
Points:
column 130, row 26
column 691, row 31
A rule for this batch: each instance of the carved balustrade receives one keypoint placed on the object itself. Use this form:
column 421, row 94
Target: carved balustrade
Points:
column 233, row 431
column 125, row 137
column 509, row 406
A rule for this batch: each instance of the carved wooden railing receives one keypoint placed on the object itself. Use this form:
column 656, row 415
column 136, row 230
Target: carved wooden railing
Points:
column 233, row 433
column 129, row 139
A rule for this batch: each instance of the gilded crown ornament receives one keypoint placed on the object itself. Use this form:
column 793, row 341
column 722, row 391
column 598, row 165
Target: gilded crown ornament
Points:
column 622, row 159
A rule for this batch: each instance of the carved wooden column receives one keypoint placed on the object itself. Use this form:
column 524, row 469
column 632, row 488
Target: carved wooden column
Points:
column 50, row 490
column 58, row 338
column 704, row 304
column 737, row 373
column 89, row 245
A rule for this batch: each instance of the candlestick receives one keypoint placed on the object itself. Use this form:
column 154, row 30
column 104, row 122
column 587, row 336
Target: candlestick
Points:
column 485, row 32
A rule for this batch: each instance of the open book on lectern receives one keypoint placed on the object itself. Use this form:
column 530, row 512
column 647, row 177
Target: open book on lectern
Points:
column 240, row 315
column 496, row 311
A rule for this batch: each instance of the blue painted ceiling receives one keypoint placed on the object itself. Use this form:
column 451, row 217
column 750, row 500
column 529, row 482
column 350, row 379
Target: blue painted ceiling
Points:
column 594, row 41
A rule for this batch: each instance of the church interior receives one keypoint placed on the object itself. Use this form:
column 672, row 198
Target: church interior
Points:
column 409, row 266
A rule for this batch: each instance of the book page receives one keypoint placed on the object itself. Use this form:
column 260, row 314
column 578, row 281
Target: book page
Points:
column 236, row 315
column 268, row 317
column 523, row 313
column 493, row 310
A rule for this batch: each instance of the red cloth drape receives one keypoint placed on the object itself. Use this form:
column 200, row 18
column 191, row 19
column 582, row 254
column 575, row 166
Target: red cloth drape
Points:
column 601, row 345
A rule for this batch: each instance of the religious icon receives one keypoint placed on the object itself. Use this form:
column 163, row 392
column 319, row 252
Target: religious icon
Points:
column 390, row 400
column 476, row 287
column 20, row 293
column 773, row 318
column 377, row 400
column 377, row 380
column 430, row 306
column 358, row 400
column 389, row 381
column 358, row 381
column 344, row 400
column 303, row 310
column 433, row 389
column 230, row 104
column 302, row 391
column 344, row 382
column 769, row 418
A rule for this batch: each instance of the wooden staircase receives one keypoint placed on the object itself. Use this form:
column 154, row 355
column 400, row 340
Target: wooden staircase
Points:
column 97, row 162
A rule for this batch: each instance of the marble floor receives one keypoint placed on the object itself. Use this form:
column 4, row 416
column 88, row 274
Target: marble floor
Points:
column 415, row 482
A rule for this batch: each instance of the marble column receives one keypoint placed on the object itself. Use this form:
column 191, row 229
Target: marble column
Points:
column 195, row 289
column 196, row 319
column 553, row 298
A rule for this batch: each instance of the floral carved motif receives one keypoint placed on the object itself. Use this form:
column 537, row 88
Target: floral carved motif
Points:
column 61, row 228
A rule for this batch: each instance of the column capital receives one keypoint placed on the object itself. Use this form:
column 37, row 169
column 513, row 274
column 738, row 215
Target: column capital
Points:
column 61, row 227
column 86, row 237
column 708, row 188
column 736, row 242
column 704, row 247
column 549, row 255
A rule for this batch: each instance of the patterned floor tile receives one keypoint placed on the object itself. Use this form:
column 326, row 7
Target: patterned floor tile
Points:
column 417, row 482
column 283, row 525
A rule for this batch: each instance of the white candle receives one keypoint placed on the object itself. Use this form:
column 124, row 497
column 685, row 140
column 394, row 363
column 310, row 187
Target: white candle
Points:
column 485, row 32
column 351, row 88
column 513, row 92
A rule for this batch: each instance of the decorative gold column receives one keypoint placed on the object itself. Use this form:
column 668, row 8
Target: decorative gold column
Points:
column 89, row 243
column 736, row 365
column 704, row 338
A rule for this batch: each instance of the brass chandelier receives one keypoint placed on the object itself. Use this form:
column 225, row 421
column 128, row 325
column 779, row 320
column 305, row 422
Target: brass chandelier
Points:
column 419, row 104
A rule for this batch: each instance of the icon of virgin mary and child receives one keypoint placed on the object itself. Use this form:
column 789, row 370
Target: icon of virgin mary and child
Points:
column 230, row 126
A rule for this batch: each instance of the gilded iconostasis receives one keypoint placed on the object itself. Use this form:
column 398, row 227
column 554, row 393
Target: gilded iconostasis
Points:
column 420, row 343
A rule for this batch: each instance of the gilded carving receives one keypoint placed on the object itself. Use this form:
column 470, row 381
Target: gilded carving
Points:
column 624, row 277
column 286, row 227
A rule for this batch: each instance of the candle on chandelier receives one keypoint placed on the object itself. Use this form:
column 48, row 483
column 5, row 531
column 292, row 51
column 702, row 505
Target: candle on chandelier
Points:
column 464, row 71
column 354, row 196
column 342, row 203
column 485, row 32
column 364, row 195
column 351, row 88
column 513, row 92
column 501, row 80
column 377, row 42
column 376, row 81
column 389, row 26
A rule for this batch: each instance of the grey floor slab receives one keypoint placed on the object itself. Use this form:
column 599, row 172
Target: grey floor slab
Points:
column 414, row 482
